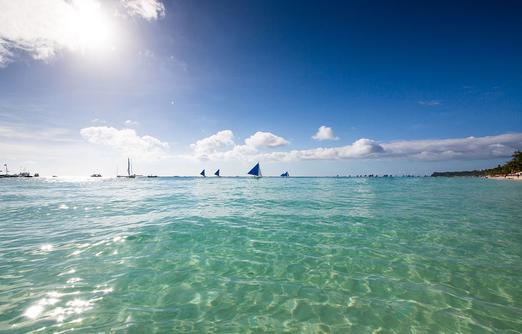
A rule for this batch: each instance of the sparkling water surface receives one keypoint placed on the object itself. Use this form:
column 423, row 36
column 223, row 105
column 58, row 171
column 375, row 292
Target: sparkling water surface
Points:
column 237, row 255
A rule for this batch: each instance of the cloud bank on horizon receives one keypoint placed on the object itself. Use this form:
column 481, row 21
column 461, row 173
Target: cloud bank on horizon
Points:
column 261, row 145
column 44, row 28
column 469, row 148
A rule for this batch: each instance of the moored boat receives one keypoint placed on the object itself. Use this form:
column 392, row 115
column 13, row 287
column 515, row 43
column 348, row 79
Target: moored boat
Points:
column 130, row 174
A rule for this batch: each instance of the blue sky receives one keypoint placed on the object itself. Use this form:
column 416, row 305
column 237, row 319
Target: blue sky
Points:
column 400, row 87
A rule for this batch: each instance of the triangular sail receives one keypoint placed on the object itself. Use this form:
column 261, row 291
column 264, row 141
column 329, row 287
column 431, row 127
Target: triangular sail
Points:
column 256, row 170
column 202, row 173
column 217, row 173
column 128, row 167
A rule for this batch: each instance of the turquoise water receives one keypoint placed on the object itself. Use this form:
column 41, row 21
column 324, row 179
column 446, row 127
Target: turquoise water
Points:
column 233, row 255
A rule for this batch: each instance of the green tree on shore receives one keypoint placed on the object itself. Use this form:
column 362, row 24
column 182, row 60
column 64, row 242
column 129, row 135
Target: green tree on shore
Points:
column 512, row 166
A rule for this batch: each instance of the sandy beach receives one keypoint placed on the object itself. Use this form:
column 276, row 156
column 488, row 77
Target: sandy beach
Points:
column 508, row 177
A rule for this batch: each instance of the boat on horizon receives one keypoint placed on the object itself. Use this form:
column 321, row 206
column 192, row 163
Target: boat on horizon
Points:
column 21, row 174
column 285, row 174
column 96, row 175
column 256, row 171
column 129, row 175
column 203, row 173
column 217, row 173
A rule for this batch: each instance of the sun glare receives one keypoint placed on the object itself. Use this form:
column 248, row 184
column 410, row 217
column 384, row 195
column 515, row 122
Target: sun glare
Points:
column 92, row 27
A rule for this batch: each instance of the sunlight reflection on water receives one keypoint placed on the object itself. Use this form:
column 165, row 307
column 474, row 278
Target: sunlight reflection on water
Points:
column 229, row 255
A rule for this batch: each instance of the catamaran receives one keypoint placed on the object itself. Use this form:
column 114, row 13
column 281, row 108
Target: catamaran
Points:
column 256, row 171
column 217, row 173
column 129, row 175
column 203, row 173
column 285, row 174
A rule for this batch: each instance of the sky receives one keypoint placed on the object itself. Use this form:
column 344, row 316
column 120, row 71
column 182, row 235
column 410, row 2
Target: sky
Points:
column 312, row 87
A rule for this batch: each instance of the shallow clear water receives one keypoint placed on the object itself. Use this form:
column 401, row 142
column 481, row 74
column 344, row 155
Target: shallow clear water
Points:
column 233, row 255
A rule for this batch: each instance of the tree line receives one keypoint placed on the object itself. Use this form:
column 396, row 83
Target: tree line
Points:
column 512, row 166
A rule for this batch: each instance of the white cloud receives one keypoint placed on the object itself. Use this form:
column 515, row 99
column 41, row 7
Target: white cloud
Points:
column 221, row 146
column 361, row 148
column 148, row 9
column 470, row 148
column 324, row 133
column 488, row 147
column 213, row 144
column 131, row 123
column 44, row 28
column 265, row 139
column 126, row 141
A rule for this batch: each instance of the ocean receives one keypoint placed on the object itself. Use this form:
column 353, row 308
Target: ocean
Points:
column 239, row 255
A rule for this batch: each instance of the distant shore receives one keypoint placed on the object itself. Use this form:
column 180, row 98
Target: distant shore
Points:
column 507, row 177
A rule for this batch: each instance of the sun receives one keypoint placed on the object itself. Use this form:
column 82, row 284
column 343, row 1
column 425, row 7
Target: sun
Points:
column 92, row 28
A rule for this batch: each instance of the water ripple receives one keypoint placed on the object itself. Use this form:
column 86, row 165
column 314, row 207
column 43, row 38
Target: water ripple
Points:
column 312, row 255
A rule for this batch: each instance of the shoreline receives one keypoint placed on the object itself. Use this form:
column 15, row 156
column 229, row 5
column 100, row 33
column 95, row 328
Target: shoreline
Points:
column 508, row 177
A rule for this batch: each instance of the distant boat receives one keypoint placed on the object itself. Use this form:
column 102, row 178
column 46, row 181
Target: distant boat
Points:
column 217, row 173
column 21, row 174
column 202, row 173
column 129, row 175
column 96, row 175
column 152, row 176
column 256, row 171
column 285, row 174
column 6, row 173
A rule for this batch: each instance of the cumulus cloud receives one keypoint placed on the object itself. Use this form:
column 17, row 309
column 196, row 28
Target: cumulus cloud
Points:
column 210, row 145
column 265, row 139
column 126, row 141
column 221, row 146
column 44, row 28
column 360, row 149
column 324, row 133
column 470, row 148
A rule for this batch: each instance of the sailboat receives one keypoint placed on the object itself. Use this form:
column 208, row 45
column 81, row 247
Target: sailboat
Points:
column 217, row 173
column 129, row 171
column 256, row 171
column 285, row 174
column 202, row 173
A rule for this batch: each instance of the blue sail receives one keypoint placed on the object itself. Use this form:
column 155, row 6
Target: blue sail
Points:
column 285, row 174
column 202, row 173
column 256, row 170
column 217, row 173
